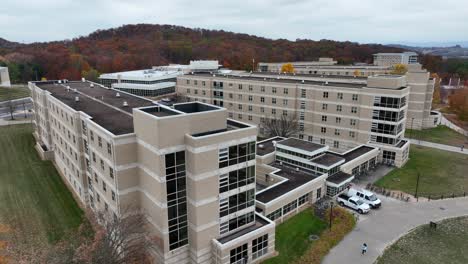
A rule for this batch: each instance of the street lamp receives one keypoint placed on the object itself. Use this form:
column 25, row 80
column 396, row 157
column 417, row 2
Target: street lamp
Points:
column 331, row 213
column 411, row 132
column 417, row 187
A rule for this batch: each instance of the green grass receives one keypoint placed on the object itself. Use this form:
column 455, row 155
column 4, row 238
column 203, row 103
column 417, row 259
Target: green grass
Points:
column 292, row 236
column 13, row 93
column 33, row 198
column 446, row 244
column 440, row 134
column 441, row 173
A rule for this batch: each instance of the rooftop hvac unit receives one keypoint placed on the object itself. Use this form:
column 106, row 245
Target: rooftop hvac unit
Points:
column 264, row 79
column 297, row 169
column 117, row 95
column 59, row 81
column 83, row 79
column 281, row 163
column 68, row 88
column 91, row 85
column 125, row 104
column 326, row 82
column 303, row 81
column 75, row 90
column 274, row 143
column 260, row 146
column 77, row 99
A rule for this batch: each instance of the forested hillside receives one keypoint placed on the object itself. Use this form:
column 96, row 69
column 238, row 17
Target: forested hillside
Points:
column 143, row 45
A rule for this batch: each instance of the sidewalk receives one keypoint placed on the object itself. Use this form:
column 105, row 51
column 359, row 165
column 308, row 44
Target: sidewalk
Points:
column 438, row 146
column 384, row 226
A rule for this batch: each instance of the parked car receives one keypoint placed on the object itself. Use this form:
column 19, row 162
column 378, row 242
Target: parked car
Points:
column 367, row 197
column 353, row 202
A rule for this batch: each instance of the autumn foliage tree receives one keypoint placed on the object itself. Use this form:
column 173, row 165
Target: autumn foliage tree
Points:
column 287, row 68
column 458, row 103
column 399, row 69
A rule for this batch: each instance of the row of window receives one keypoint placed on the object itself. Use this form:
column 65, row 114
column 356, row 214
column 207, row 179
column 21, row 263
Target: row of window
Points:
column 237, row 222
column 236, row 154
column 236, row 179
column 292, row 205
column 237, row 202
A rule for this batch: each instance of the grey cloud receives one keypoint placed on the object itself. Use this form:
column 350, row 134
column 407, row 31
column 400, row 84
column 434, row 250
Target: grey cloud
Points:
column 363, row 21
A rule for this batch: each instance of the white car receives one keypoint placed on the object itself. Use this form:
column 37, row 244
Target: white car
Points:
column 366, row 196
column 353, row 202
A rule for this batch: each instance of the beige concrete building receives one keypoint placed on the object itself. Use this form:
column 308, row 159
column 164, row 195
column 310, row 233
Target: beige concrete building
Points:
column 292, row 174
column 339, row 114
column 4, row 77
column 390, row 59
column 276, row 66
column 189, row 168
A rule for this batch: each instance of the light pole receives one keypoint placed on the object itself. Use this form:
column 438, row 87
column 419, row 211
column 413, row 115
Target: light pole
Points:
column 331, row 213
column 411, row 132
column 417, row 187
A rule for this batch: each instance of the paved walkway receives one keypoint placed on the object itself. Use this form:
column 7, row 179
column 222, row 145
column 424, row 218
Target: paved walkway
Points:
column 438, row 146
column 384, row 226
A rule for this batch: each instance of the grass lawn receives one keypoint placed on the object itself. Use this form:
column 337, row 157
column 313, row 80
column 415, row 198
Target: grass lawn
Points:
column 292, row 236
column 33, row 197
column 441, row 173
column 440, row 134
column 13, row 93
column 446, row 244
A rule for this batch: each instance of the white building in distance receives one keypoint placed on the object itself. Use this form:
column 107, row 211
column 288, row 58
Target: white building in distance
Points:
column 4, row 77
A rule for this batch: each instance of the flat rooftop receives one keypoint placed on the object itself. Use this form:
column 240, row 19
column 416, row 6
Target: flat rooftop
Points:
column 267, row 146
column 143, row 75
column 102, row 104
column 301, row 144
column 294, row 180
column 303, row 75
column 339, row 177
column 258, row 223
column 357, row 152
column 327, row 159
column 230, row 125
column 279, row 80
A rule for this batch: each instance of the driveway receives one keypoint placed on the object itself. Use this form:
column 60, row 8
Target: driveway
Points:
column 384, row 226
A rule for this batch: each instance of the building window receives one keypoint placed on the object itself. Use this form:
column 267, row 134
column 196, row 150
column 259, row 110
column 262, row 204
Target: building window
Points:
column 303, row 199
column 303, row 93
column 250, row 87
column 240, row 107
column 289, row 207
column 176, row 199
column 240, row 86
column 262, row 89
column 355, row 97
column 250, row 118
column 275, row 215
column 325, row 94
column 354, row 109
column 259, row 246
column 273, row 100
column 273, row 111
column 285, row 112
column 109, row 149
column 338, row 120
column 102, row 164
column 324, row 118
column 236, row 154
column 322, row 141
column 237, row 202
column 94, row 157
column 104, row 187
column 339, row 108
column 337, row 132
column 310, row 138
column 285, row 102
column 319, row 193
column 239, row 255
column 262, row 99
column 336, row 144
column 273, row 90
column 262, row 109
column 113, row 196
column 285, row 90
column 352, row 122
column 111, row 172
column 339, row 96
column 323, row 130
column 352, row 134
column 100, row 141
column 324, row 106
column 91, row 135
column 239, row 96
column 250, row 98
column 250, row 108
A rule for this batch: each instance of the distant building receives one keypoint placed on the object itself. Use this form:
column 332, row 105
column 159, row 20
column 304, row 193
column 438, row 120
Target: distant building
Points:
column 157, row 81
column 276, row 66
column 390, row 59
column 4, row 77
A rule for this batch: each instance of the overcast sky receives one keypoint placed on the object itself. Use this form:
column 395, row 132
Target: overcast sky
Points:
column 365, row 21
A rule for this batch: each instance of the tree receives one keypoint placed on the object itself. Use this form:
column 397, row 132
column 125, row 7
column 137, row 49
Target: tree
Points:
column 104, row 239
column 91, row 75
column 399, row 69
column 436, row 94
column 287, row 68
column 458, row 103
column 284, row 126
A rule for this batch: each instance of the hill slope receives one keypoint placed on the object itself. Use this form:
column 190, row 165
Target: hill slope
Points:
column 143, row 45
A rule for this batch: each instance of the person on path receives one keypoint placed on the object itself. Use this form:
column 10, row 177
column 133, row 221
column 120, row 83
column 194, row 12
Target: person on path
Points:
column 364, row 249
column 462, row 147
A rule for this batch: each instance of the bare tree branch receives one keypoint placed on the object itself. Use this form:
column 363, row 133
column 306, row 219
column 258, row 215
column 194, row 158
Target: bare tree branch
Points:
column 284, row 126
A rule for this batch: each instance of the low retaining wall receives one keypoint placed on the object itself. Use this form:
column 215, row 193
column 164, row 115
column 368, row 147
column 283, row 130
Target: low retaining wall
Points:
column 44, row 154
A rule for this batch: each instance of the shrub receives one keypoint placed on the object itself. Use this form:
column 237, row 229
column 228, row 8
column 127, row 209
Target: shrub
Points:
column 342, row 223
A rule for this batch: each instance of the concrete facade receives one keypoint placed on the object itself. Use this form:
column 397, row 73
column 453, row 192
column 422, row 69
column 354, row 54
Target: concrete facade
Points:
column 391, row 59
column 119, row 152
column 4, row 77
column 342, row 115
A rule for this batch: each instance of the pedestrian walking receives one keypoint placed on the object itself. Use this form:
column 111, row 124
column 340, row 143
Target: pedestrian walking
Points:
column 364, row 248
column 462, row 147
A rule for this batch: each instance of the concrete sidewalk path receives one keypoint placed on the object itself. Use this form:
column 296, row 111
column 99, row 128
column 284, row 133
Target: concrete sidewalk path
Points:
column 386, row 225
column 438, row 146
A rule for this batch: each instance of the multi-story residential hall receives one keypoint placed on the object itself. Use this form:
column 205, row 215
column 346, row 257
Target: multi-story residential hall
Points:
column 115, row 150
column 340, row 114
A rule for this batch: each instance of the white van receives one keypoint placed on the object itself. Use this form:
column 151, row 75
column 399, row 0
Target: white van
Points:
column 367, row 197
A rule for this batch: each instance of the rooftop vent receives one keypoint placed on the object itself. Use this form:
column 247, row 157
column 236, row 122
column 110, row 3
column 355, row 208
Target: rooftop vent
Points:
column 326, row 82
column 91, row 85
column 264, row 79
column 261, row 146
column 68, row 88
column 77, row 99
column 274, row 143
column 125, row 104
column 303, row 81
column 75, row 90
column 83, row 79
column 281, row 163
column 117, row 95
column 59, row 81
column 297, row 169
column 214, row 75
